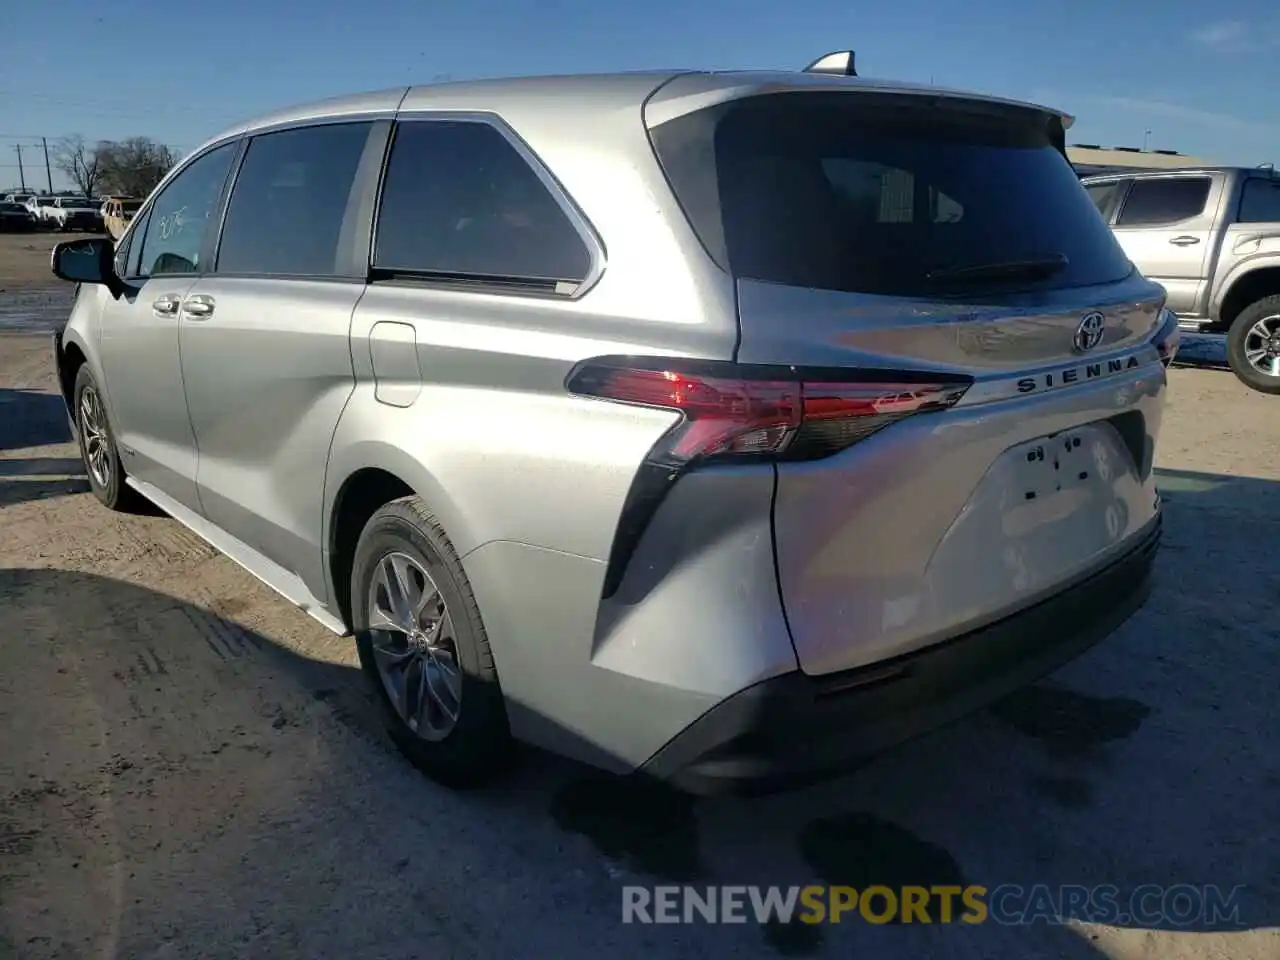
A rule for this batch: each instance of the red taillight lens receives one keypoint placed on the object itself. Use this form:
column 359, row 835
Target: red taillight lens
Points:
column 837, row 415
column 743, row 411
column 721, row 416
column 1168, row 338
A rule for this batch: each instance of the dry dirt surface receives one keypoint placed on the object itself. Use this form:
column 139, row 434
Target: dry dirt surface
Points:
column 189, row 767
column 24, row 259
column 32, row 299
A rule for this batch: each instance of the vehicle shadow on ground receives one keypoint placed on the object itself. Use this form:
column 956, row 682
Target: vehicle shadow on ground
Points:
column 31, row 418
column 1202, row 350
column 199, row 786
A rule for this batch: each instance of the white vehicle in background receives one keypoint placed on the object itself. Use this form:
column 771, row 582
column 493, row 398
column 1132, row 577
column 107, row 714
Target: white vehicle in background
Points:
column 40, row 207
column 74, row 213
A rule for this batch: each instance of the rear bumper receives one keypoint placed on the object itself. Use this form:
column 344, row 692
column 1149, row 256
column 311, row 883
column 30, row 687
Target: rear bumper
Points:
column 796, row 728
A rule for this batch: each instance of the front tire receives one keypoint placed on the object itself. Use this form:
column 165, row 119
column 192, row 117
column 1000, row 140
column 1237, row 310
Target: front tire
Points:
column 98, row 448
column 1253, row 345
column 423, row 646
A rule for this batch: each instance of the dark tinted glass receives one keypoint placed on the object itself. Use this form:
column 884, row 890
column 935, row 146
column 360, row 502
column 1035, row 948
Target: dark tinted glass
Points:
column 872, row 194
column 180, row 215
column 1260, row 201
column 460, row 201
column 289, row 201
column 1152, row 202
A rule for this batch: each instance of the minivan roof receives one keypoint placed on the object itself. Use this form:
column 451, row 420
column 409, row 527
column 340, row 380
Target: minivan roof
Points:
column 603, row 91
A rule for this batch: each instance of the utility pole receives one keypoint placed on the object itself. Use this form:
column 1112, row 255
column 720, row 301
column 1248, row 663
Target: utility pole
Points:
column 22, row 177
column 48, row 173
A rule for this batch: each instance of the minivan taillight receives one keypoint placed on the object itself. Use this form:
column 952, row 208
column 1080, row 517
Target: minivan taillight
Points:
column 743, row 412
column 734, row 411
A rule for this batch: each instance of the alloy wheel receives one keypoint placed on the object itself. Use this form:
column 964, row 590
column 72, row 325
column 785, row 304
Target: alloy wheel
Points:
column 414, row 646
column 97, row 444
column 1262, row 346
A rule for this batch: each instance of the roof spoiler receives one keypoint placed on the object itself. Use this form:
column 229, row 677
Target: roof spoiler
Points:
column 839, row 63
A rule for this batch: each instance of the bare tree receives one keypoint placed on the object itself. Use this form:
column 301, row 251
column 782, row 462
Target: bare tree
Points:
column 81, row 163
column 134, row 166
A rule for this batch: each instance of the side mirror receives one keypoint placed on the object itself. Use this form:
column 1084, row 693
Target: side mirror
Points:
column 88, row 261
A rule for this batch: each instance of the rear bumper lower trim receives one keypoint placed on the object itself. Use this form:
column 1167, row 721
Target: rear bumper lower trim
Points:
column 796, row 728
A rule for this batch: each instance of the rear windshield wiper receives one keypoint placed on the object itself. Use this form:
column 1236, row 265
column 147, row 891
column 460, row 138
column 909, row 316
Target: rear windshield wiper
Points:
column 1006, row 270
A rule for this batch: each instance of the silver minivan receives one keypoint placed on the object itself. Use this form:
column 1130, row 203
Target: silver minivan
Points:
column 719, row 427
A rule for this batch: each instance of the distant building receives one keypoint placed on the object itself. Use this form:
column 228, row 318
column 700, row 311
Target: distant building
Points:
column 1089, row 159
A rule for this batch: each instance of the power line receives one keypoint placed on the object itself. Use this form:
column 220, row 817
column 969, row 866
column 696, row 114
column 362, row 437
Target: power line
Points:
column 84, row 101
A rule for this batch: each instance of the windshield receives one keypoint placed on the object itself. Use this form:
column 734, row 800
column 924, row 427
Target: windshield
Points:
column 887, row 195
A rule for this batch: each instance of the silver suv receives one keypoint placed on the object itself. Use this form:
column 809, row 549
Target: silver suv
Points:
column 720, row 427
column 1211, row 237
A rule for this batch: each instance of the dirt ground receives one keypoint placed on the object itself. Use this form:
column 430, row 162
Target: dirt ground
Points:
column 189, row 767
column 24, row 259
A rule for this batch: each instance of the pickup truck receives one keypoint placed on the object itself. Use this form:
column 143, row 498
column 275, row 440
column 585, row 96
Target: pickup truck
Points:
column 74, row 213
column 40, row 207
column 1211, row 237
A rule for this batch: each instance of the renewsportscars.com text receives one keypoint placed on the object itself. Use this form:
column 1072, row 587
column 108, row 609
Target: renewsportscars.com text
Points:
column 1181, row 905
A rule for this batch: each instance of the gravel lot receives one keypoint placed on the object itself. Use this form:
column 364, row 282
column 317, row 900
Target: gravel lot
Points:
column 189, row 767
column 32, row 299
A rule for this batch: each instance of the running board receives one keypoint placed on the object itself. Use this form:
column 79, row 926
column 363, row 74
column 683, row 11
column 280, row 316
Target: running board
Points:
column 288, row 585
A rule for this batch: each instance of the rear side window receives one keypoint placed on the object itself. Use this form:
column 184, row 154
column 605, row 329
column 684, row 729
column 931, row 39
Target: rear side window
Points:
column 1260, row 201
column 460, row 202
column 289, row 201
column 1154, row 202
column 882, row 194
column 1106, row 196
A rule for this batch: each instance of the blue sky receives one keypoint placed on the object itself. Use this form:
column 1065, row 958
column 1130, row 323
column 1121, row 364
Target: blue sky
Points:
column 1201, row 77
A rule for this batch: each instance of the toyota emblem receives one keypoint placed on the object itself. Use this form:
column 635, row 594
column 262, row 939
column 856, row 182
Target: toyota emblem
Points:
column 1089, row 333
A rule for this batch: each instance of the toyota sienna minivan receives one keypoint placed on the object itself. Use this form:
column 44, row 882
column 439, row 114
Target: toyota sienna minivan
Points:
column 715, row 427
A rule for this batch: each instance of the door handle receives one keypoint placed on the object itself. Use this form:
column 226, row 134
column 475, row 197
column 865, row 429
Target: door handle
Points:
column 166, row 306
column 198, row 306
column 1184, row 241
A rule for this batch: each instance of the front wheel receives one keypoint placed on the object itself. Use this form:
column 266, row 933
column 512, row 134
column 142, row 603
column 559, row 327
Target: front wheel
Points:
column 1253, row 345
column 98, row 447
column 423, row 647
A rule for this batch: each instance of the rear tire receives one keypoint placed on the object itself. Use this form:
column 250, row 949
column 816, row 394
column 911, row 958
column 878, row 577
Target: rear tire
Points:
column 1256, row 330
column 435, row 679
column 98, row 450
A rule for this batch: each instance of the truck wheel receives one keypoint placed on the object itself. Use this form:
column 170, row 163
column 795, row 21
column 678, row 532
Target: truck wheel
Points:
column 1253, row 345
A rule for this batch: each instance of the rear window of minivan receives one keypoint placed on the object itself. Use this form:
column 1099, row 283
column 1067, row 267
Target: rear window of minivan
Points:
column 883, row 194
